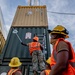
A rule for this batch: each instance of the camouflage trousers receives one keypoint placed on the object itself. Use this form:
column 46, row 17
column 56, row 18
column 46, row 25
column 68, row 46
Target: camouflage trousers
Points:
column 38, row 60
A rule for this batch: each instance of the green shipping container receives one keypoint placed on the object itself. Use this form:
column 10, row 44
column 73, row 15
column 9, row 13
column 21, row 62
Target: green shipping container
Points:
column 28, row 20
column 13, row 47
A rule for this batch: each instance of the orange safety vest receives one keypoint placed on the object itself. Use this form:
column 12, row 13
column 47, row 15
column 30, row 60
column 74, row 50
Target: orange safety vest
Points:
column 34, row 46
column 71, row 66
column 12, row 71
column 47, row 72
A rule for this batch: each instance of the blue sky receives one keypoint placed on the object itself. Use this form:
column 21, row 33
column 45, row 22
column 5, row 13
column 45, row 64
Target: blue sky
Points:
column 64, row 6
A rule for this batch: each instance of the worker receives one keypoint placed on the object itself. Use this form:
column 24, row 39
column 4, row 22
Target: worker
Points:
column 62, row 57
column 48, row 67
column 15, row 64
column 35, row 49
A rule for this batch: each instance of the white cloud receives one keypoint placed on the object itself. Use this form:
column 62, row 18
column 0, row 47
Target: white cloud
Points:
column 8, row 14
column 67, row 21
column 3, row 4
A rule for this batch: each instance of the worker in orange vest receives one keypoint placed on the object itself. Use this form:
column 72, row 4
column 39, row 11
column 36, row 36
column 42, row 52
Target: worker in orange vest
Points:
column 14, row 64
column 48, row 67
column 62, row 57
column 35, row 49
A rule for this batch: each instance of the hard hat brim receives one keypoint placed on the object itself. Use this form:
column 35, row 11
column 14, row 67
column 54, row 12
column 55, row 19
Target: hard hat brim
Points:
column 36, row 38
column 49, row 31
column 53, row 32
column 66, row 36
column 15, row 65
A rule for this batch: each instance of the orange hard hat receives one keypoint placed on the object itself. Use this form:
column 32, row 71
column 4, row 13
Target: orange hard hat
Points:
column 36, row 38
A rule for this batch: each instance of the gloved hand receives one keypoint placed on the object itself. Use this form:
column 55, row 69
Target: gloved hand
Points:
column 22, row 43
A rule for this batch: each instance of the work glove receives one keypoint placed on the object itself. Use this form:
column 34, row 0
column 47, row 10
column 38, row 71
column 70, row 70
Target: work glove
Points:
column 22, row 43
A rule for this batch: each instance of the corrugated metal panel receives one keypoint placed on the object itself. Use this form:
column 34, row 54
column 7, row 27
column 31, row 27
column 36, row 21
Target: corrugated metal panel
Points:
column 13, row 48
column 30, row 16
column 2, row 27
column 2, row 42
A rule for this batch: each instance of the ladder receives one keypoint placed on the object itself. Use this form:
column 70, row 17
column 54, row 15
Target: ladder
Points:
column 42, row 40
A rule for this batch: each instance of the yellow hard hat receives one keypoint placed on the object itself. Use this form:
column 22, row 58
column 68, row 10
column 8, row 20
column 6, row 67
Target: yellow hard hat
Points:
column 48, row 60
column 59, row 29
column 15, row 62
column 36, row 38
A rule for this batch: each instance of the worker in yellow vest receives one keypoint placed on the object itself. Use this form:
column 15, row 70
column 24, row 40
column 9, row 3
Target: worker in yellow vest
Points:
column 48, row 67
column 14, row 64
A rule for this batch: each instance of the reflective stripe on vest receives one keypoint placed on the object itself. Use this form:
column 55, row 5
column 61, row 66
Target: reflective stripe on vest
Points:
column 12, row 71
column 34, row 46
column 47, row 72
column 71, row 61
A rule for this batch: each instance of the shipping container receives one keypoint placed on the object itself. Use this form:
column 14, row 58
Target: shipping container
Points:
column 2, row 42
column 2, row 32
column 2, row 26
column 14, row 48
column 25, row 32
column 30, row 16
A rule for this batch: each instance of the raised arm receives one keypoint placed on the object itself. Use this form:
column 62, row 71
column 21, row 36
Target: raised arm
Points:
column 24, row 44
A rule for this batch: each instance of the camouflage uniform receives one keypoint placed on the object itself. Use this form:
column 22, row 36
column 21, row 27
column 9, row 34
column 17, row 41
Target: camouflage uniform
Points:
column 37, row 60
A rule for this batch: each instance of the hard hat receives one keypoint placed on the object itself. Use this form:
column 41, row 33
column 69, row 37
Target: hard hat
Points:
column 48, row 60
column 59, row 29
column 15, row 62
column 36, row 38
